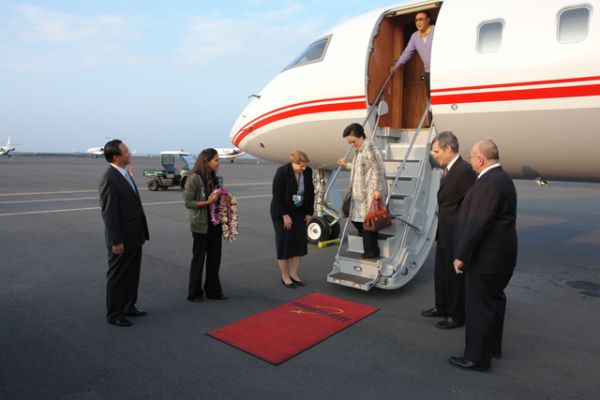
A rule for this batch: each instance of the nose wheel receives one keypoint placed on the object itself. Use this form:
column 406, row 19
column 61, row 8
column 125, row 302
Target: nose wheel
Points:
column 319, row 229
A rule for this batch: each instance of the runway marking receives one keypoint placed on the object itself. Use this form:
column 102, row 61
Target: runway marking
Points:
column 48, row 200
column 97, row 208
column 141, row 189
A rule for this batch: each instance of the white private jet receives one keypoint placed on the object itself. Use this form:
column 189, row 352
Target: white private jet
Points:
column 5, row 150
column 523, row 73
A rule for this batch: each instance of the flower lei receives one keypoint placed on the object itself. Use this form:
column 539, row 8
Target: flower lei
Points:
column 225, row 213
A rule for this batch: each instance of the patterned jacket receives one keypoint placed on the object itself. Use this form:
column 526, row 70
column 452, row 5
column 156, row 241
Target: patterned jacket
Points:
column 368, row 176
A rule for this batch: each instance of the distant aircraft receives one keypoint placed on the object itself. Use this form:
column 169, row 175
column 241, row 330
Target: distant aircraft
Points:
column 5, row 150
column 539, row 99
column 95, row 151
column 229, row 153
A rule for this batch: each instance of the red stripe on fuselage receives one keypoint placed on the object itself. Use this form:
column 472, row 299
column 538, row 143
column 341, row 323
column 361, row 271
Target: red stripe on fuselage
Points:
column 320, row 108
column 526, row 94
column 514, row 84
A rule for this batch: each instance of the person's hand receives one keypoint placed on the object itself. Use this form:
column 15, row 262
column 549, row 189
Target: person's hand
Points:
column 118, row 248
column 393, row 69
column 307, row 219
column 213, row 198
column 342, row 162
column 377, row 194
column 458, row 266
column 287, row 222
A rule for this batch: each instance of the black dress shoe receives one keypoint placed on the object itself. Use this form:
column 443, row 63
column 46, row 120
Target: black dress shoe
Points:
column 431, row 312
column 120, row 321
column 198, row 299
column 289, row 285
column 298, row 283
column 463, row 363
column 219, row 296
column 369, row 255
column 135, row 312
column 449, row 323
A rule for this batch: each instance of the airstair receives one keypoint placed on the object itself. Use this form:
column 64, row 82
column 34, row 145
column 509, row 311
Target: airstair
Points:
column 412, row 185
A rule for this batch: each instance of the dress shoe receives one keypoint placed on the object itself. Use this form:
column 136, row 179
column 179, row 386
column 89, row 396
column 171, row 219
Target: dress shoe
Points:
column 135, row 312
column 449, row 323
column 198, row 299
column 289, row 285
column 463, row 363
column 431, row 312
column 120, row 321
column 219, row 296
column 298, row 283
column 369, row 255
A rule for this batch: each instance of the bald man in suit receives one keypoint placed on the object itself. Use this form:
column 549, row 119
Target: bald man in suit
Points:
column 486, row 251
column 126, row 231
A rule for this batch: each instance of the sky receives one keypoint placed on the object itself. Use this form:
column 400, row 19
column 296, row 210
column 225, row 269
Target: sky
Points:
column 161, row 75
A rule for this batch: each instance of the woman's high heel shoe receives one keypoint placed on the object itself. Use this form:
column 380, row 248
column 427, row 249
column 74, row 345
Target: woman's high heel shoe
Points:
column 288, row 285
column 298, row 283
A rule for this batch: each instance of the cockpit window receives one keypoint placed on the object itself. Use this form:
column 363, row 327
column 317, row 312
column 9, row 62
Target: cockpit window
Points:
column 313, row 53
column 573, row 24
column 489, row 37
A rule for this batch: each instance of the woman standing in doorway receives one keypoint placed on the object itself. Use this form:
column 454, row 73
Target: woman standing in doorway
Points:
column 291, row 210
column 198, row 196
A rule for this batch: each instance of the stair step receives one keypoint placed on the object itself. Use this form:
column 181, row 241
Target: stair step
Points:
column 404, row 185
column 397, row 151
column 412, row 168
column 353, row 281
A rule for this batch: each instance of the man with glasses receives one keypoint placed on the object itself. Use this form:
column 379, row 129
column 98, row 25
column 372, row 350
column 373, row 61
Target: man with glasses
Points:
column 421, row 42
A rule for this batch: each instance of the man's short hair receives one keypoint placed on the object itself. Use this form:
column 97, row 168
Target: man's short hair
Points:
column 355, row 130
column 489, row 150
column 112, row 149
column 445, row 139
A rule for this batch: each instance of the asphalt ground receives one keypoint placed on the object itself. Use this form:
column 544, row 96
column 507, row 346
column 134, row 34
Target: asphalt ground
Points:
column 55, row 342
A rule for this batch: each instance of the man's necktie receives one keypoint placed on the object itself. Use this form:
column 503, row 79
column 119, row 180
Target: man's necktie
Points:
column 130, row 180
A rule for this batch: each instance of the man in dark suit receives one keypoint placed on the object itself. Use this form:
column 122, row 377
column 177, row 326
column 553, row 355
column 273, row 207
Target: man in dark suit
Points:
column 486, row 250
column 126, row 231
column 449, row 286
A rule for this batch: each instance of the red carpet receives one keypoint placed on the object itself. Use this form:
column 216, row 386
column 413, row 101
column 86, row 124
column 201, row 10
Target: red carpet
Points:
column 284, row 331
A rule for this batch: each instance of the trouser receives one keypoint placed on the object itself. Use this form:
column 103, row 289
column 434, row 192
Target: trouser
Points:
column 449, row 286
column 207, row 246
column 370, row 245
column 485, row 309
column 123, row 280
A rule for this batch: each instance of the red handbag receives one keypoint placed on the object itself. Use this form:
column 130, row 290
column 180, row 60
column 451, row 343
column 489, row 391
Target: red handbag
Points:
column 378, row 217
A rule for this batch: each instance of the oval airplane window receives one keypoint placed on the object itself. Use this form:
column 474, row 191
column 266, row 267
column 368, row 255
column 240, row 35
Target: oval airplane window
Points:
column 489, row 37
column 312, row 54
column 573, row 24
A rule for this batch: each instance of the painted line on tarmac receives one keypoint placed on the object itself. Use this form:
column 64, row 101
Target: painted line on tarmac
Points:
column 97, row 208
column 48, row 200
column 141, row 189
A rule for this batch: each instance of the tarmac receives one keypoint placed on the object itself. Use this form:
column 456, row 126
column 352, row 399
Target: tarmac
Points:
column 55, row 342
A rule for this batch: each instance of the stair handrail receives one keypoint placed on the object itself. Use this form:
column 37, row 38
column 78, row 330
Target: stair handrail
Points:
column 407, row 153
column 373, row 107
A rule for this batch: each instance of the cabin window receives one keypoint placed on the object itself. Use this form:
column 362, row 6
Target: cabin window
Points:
column 489, row 37
column 573, row 24
column 312, row 54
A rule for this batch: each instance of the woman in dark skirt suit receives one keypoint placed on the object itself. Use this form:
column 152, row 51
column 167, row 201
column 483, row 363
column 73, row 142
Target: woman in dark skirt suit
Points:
column 292, row 207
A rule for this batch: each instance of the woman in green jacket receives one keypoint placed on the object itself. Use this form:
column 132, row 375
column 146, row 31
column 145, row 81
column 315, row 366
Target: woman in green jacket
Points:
column 198, row 195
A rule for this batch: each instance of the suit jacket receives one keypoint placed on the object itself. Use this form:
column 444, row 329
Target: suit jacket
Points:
column 486, row 236
column 450, row 196
column 285, row 186
column 122, row 212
